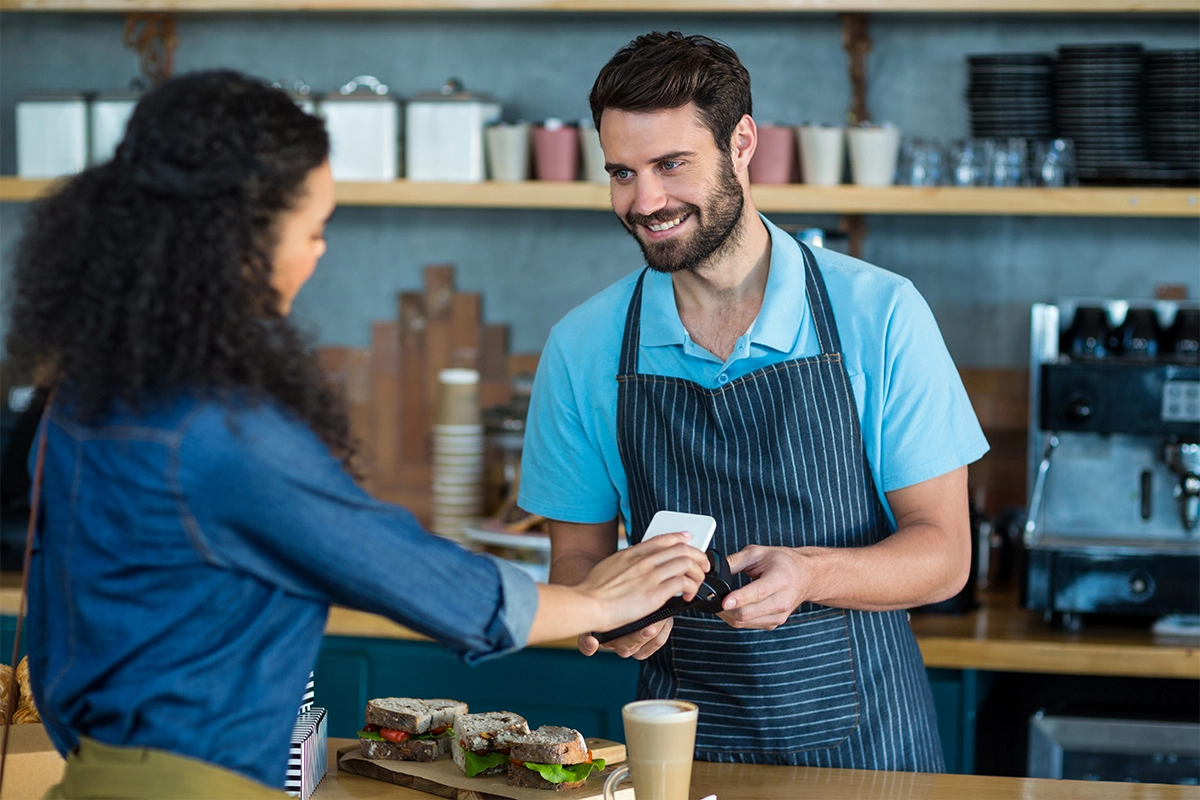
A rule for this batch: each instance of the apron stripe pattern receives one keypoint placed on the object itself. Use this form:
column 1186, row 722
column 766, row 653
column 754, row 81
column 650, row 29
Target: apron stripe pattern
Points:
column 777, row 458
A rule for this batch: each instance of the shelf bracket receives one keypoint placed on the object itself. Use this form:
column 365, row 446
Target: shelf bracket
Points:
column 154, row 39
column 857, row 44
column 855, row 228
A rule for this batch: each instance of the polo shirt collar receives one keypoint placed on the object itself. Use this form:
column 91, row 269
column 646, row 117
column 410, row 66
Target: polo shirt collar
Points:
column 777, row 325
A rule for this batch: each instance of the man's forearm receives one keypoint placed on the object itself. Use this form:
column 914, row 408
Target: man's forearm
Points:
column 912, row 567
column 575, row 548
column 570, row 570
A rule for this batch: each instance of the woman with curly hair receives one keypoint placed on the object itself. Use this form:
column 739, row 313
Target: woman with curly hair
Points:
column 197, row 515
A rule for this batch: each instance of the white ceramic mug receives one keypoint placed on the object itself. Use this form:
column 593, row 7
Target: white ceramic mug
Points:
column 873, row 153
column 660, row 736
column 593, row 155
column 508, row 151
column 821, row 154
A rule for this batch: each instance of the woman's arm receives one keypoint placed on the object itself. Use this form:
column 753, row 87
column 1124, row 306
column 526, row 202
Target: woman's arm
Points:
column 621, row 588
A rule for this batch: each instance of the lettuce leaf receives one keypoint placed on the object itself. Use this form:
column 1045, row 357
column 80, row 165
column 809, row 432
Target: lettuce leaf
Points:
column 474, row 764
column 442, row 735
column 558, row 773
column 374, row 735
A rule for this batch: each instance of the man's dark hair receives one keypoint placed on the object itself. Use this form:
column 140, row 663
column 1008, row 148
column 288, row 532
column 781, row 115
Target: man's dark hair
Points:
column 660, row 71
column 151, row 273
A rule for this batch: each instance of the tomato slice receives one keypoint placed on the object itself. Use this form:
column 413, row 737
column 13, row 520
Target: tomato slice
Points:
column 439, row 730
column 370, row 726
column 394, row 736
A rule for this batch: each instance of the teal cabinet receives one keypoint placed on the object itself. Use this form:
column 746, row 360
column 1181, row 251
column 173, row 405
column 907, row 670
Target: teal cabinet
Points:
column 551, row 686
column 547, row 686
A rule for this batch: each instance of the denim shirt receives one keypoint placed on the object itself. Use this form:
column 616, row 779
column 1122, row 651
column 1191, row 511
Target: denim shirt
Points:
column 185, row 562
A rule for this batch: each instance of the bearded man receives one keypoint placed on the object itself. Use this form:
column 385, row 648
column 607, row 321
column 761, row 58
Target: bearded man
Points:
column 804, row 399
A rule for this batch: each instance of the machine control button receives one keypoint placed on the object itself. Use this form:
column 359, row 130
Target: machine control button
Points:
column 1079, row 408
column 1141, row 585
column 1181, row 401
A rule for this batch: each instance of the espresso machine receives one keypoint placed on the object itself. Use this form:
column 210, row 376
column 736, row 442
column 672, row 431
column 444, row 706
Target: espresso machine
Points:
column 1113, row 522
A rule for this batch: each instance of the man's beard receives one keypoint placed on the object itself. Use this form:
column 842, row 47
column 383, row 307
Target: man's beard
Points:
column 716, row 227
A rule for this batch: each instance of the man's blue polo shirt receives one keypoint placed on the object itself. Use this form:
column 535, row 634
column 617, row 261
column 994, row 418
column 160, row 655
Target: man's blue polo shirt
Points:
column 917, row 421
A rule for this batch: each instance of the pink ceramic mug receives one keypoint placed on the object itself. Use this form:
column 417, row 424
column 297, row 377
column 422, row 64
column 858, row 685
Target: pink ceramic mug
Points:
column 556, row 151
column 775, row 157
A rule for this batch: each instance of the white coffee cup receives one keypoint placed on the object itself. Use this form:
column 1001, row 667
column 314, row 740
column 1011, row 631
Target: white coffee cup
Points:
column 508, row 151
column 873, row 153
column 821, row 154
column 593, row 155
column 660, row 737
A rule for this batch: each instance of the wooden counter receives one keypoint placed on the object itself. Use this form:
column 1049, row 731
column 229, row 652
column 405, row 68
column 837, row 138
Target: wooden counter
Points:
column 747, row 782
column 998, row 636
column 1002, row 637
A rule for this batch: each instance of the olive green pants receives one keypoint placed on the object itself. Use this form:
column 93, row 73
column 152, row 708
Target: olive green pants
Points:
column 96, row 770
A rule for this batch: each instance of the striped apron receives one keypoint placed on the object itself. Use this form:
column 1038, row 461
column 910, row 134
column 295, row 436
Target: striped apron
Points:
column 777, row 458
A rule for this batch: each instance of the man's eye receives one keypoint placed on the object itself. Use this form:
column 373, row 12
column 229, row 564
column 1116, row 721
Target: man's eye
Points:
column 622, row 174
column 670, row 165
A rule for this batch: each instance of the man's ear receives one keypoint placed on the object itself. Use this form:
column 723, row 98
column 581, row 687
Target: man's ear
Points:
column 742, row 144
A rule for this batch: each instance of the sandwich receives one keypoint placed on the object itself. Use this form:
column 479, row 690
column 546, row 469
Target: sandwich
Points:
column 551, row 758
column 482, row 741
column 407, row 729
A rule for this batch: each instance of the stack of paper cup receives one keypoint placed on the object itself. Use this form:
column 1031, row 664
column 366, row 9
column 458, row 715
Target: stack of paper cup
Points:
column 457, row 453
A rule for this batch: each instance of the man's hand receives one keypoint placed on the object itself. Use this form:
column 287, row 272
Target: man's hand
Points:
column 639, row 645
column 777, row 588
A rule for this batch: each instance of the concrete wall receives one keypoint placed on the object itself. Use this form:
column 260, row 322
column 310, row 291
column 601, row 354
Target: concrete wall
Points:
column 979, row 274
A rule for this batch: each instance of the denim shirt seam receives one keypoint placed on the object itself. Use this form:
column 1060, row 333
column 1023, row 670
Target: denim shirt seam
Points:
column 130, row 432
column 65, row 585
column 187, row 518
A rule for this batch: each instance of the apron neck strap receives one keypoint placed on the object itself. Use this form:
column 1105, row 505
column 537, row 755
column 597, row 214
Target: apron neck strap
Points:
column 819, row 305
column 632, row 339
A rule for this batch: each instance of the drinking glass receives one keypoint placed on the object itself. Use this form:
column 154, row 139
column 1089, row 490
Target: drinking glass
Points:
column 1053, row 163
column 921, row 163
column 969, row 162
column 1008, row 163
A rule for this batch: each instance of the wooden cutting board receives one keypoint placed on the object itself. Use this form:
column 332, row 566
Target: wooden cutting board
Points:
column 443, row 777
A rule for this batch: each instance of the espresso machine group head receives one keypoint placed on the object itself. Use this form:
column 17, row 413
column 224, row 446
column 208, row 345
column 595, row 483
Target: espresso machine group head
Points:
column 1114, row 458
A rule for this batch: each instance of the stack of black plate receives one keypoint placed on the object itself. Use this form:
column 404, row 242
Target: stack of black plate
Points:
column 1098, row 103
column 1010, row 95
column 1172, row 86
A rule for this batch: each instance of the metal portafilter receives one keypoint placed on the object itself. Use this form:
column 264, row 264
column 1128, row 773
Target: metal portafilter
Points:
column 1184, row 334
column 1088, row 335
column 1184, row 460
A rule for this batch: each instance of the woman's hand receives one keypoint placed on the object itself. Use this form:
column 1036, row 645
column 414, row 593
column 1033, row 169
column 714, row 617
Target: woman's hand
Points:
column 630, row 584
column 622, row 588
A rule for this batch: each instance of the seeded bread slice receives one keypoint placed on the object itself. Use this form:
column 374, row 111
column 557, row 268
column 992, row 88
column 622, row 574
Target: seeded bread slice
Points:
column 528, row 779
column 550, row 744
column 411, row 714
column 410, row 750
column 485, row 733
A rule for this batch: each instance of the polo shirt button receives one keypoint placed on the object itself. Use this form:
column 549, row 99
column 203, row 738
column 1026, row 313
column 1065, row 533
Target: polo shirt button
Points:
column 722, row 378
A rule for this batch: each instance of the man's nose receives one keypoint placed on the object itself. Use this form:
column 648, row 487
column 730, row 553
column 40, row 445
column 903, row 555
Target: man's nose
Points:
column 651, row 197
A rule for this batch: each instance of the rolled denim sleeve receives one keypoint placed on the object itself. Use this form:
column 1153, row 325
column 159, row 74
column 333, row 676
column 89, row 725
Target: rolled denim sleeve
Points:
column 520, row 599
column 265, row 496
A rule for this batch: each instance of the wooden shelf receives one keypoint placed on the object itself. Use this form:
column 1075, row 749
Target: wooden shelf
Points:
column 625, row 6
column 795, row 198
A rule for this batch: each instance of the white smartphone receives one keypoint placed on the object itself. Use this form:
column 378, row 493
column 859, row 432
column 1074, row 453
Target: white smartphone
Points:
column 700, row 526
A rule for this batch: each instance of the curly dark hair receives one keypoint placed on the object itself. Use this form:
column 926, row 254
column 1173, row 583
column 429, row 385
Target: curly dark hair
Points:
column 658, row 71
column 151, row 273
